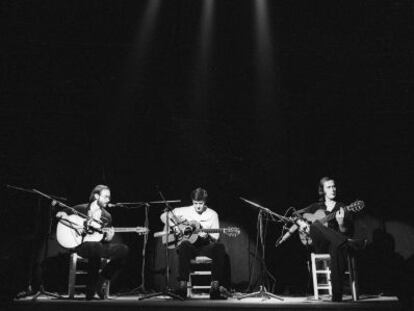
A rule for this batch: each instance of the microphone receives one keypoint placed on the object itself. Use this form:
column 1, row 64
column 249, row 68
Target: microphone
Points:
column 287, row 235
column 110, row 205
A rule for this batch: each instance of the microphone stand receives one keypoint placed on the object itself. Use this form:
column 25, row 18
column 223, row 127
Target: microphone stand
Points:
column 129, row 205
column 167, row 290
column 140, row 289
column 262, row 292
column 54, row 202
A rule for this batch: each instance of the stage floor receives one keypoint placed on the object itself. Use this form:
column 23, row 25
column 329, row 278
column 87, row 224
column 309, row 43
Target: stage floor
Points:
column 232, row 304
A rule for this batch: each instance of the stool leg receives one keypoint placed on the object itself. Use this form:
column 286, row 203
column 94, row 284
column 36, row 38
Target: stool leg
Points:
column 353, row 282
column 107, row 289
column 328, row 275
column 192, row 277
column 189, row 286
column 72, row 275
column 329, row 283
column 321, row 262
column 314, row 277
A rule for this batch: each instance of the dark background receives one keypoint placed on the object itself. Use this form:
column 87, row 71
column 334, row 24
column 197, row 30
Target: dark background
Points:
column 96, row 92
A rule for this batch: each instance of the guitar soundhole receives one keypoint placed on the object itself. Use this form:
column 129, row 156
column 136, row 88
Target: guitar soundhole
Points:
column 188, row 231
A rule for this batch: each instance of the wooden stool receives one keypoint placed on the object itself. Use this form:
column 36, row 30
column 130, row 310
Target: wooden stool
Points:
column 321, row 275
column 74, row 271
column 201, row 272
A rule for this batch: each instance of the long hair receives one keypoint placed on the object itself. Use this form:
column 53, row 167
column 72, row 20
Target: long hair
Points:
column 97, row 190
column 321, row 193
column 199, row 194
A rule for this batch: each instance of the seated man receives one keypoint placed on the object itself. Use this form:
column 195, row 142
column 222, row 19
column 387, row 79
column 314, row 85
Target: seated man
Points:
column 333, row 238
column 198, row 215
column 98, row 216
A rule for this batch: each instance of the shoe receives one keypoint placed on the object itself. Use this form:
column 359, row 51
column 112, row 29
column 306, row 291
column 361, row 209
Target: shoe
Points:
column 90, row 295
column 101, row 286
column 23, row 294
column 218, row 292
column 337, row 298
column 30, row 291
column 182, row 289
column 357, row 244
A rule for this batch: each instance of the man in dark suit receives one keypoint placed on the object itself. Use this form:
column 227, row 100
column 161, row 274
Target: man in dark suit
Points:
column 94, row 251
column 334, row 238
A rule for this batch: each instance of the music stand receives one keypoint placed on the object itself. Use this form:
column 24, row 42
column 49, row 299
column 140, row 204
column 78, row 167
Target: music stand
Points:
column 262, row 292
column 167, row 290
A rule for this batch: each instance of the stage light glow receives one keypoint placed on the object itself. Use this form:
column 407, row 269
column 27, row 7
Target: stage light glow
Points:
column 203, row 59
column 206, row 28
column 267, row 82
column 263, row 36
column 147, row 26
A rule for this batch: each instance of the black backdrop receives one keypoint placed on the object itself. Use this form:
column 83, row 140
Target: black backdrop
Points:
column 131, row 94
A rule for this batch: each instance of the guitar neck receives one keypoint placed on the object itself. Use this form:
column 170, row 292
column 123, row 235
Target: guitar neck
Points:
column 125, row 229
column 217, row 230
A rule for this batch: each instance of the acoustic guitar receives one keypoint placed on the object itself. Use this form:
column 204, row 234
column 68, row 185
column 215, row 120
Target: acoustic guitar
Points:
column 190, row 234
column 324, row 218
column 71, row 231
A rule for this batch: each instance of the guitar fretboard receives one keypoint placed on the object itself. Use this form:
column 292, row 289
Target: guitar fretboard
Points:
column 218, row 230
column 125, row 229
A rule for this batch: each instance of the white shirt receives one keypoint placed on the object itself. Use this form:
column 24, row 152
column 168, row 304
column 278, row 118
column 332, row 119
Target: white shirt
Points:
column 208, row 219
column 95, row 213
column 330, row 205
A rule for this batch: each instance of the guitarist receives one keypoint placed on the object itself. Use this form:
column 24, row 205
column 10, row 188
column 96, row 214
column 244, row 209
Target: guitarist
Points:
column 198, row 215
column 99, row 217
column 334, row 237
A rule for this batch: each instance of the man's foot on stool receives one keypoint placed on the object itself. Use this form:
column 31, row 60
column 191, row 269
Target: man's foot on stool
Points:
column 101, row 286
column 182, row 289
column 218, row 292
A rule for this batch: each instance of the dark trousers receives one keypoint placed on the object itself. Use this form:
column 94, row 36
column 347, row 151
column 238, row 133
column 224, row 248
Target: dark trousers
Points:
column 94, row 251
column 187, row 251
column 324, row 240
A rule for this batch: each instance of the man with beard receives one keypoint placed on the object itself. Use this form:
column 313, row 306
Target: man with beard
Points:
column 99, row 217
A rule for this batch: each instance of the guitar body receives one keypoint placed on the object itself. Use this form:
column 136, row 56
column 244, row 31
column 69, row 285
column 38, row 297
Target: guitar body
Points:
column 174, row 240
column 311, row 218
column 190, row 234
column 71, row 232
column 324, row 218
column 318, row 215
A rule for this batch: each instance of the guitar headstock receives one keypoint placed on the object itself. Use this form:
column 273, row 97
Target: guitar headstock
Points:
column 141, row 230
column 231, row 231
column 356, row 206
